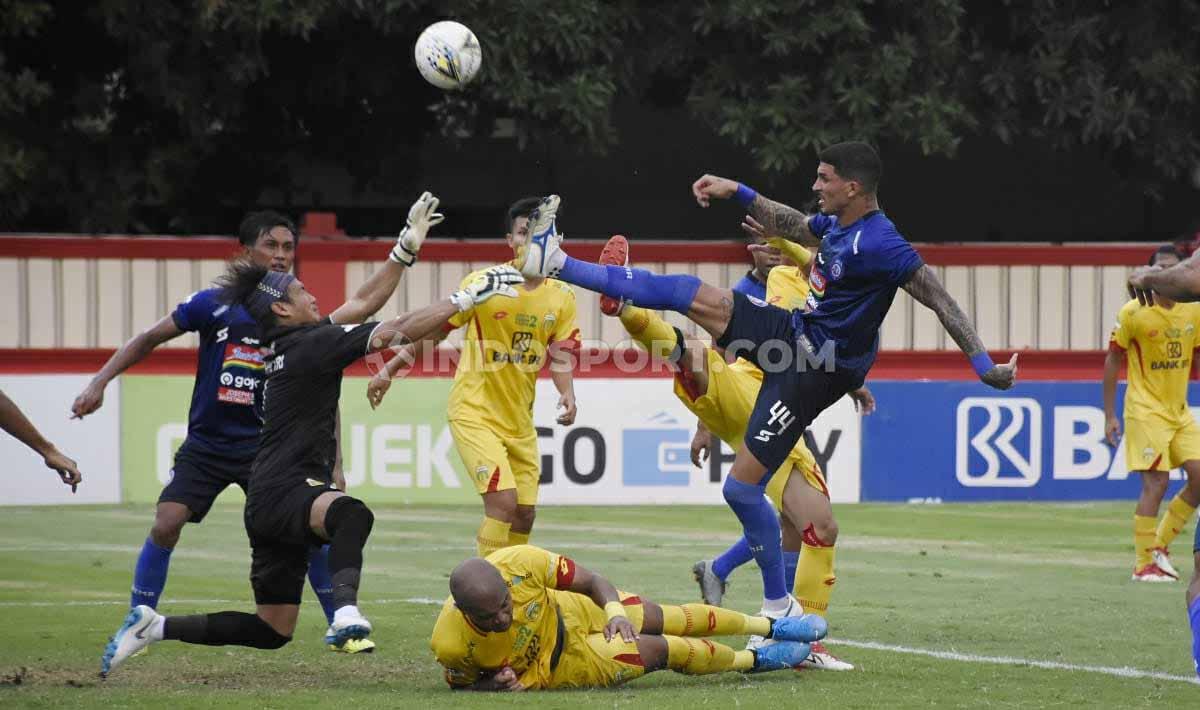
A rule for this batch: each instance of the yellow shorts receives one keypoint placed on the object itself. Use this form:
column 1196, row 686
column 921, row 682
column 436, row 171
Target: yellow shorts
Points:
column 1160, row 445
column 587, row 660
column 725, row 408
column 496, row 462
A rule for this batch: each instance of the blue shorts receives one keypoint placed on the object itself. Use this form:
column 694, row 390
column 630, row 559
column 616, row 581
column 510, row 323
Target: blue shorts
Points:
column 198, row 477
column 794, row 390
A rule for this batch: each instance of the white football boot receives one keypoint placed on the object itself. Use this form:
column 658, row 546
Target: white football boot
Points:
column 133, row 636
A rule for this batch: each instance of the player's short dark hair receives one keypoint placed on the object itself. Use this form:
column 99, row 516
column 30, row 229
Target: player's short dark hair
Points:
column 256, row 224
column 521, row 208
column 239, row 282
column 1164, row 249
column 855, row 160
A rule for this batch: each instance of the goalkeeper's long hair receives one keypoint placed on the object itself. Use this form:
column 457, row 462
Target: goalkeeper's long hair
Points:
column 238, row 284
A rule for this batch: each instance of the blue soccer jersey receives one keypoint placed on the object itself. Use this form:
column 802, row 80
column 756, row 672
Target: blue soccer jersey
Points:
column 854, row 279
column 751, row 286
column 226, row 412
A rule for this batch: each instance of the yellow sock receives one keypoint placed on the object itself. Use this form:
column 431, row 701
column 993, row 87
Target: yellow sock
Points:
column 649, row 330
column 516, row 538
column 1143, row 540
column 705, row 620
column 814, row 579
column 492, row 536
column 1178, row 513
column 701, row 656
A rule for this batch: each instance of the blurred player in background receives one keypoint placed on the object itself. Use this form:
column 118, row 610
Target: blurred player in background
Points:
column 810, row 358
column 491, row 401
column 1193, row 600
column 754, row 283
column 14, row 421
column 226, row 411
column 525, row 618
column 292, row 503
column 721, row 396
column 1160, row 431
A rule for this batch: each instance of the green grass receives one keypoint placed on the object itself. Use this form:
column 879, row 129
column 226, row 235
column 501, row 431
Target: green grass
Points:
column 1040, row 582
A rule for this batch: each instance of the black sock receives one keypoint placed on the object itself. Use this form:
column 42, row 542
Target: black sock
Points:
column 348, row 522
column 225, row 628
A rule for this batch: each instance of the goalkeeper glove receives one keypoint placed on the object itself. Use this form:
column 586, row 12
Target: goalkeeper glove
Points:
column 496, row 280
column 421, row 216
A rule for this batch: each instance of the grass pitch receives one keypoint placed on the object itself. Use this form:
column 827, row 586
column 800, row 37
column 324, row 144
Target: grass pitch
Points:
column 1025, row 582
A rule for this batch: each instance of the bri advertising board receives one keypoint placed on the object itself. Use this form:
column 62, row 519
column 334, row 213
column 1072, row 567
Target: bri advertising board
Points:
column 957, row 441
column 630, row 444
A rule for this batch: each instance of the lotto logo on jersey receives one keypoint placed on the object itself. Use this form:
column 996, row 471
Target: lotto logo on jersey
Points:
column 998, row 442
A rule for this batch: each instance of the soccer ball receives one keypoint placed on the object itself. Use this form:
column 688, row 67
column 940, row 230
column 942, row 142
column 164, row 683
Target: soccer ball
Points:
column 448, row 55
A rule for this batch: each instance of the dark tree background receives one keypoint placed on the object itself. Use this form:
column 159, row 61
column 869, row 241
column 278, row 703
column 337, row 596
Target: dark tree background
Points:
column 1039, row 119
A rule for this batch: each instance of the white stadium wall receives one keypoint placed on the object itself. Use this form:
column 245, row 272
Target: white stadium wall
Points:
column 78, row 298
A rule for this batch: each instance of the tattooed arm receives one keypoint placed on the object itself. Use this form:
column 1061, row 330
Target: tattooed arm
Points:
column 926, row 288
column 777, row 219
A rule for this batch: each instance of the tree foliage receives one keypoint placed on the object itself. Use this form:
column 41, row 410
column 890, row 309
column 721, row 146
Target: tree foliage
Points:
column 111, row 106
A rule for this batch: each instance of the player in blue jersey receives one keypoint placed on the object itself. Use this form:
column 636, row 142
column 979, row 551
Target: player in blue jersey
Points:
column 226, row 411
column 809, row 358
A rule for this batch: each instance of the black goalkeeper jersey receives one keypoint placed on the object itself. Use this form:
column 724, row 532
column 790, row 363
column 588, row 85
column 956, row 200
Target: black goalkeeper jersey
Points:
column 300, row 402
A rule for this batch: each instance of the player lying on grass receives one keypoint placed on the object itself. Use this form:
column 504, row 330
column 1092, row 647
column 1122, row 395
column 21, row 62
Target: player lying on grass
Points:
column 811, row 358
column 226, row 410
column 526, row 619
column 721, row 395
column 490, row 410
column 1160, row 431
column 14, row 421
column 292, row 504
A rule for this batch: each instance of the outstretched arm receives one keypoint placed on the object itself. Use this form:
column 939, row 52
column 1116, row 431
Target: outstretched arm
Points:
column 926, row 288
column 132, row 352
column 14, row 421
column 375, row 292
column 776, row 218
column 1178, row 283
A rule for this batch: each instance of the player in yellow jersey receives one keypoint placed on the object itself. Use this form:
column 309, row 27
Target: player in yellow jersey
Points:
column 525, row 618
column 508, row 340
column 722, row 395
column 1160, row 431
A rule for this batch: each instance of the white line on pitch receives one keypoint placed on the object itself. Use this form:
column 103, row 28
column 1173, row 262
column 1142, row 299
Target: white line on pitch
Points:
column 1124, row 672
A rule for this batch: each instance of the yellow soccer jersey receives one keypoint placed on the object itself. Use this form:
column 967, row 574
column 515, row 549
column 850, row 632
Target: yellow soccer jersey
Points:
column 505, row 345
column 1159, row 344
column 527, row 646
column 787, row 287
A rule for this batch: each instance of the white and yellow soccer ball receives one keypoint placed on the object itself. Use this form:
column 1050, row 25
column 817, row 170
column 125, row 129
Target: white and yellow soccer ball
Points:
column 448, row 55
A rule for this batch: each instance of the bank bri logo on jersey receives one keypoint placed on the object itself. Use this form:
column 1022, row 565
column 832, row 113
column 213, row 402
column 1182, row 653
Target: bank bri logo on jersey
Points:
column 998, row 442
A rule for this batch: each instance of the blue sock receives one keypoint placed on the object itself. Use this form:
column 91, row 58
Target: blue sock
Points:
column 318, row 577
column 1194, row 617
column 643, row 288
column 150, row 575
column 736, row 556
column 791, row 560
column 760, row 523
